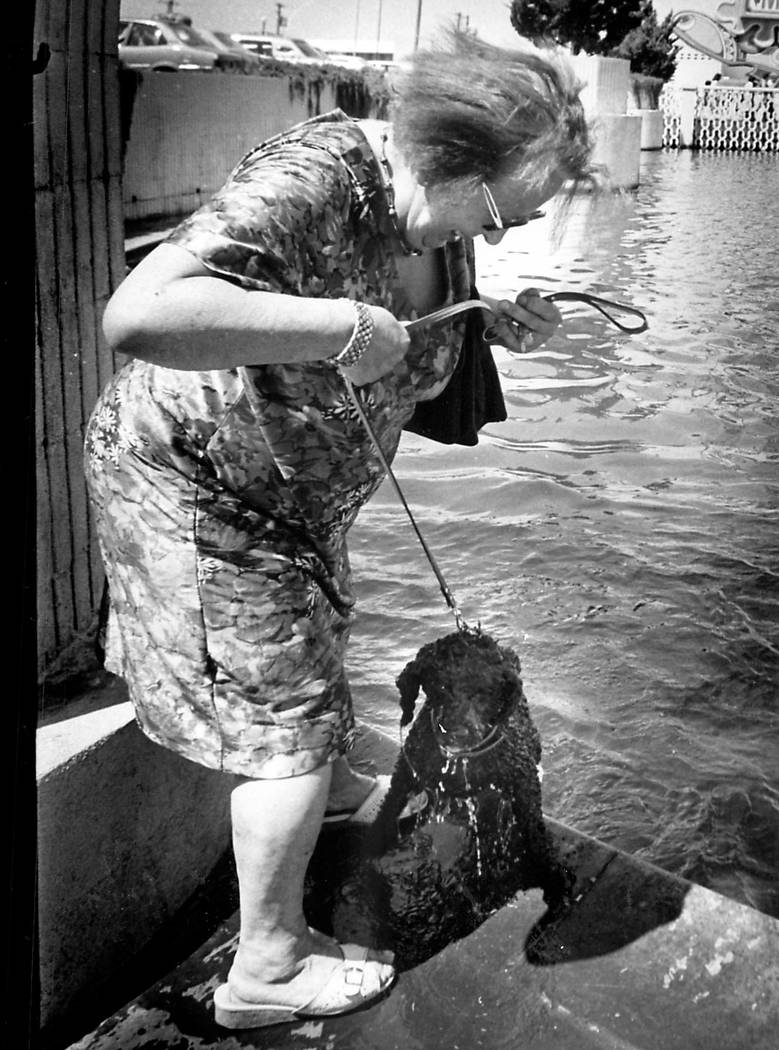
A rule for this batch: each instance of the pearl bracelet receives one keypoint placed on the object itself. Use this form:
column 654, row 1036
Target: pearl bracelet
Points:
column 360, row 339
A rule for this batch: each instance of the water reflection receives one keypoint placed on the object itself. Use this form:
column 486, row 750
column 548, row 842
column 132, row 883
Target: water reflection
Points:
column 620, row 528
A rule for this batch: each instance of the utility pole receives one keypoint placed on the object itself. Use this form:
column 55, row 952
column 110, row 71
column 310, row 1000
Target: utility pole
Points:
column 419, row 19
column 378, row 30
column 280, row 19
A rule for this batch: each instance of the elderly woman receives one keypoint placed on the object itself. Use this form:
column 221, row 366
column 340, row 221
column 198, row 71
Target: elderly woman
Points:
column 226, row 462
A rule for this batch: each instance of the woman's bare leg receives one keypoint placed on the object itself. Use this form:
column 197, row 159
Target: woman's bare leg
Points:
column 275, row 827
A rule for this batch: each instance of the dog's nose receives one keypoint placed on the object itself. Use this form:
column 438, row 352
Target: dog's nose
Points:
column 457, row 735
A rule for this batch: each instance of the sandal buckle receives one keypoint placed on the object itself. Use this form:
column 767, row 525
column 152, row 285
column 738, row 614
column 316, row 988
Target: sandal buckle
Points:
column 353, row 976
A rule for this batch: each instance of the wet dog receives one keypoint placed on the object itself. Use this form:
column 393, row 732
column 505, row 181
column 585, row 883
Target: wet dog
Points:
column 461, row 829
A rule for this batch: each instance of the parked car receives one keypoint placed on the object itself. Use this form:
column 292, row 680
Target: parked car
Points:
column 258, row 45
column 339, row 58
column 282, row 47
column 151, row 43
column 315, row 54
column 231, row 55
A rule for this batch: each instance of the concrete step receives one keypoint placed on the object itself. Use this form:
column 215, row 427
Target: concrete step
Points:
column 641, row 960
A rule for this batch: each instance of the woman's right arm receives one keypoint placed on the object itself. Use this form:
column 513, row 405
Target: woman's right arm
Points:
column 173, row 311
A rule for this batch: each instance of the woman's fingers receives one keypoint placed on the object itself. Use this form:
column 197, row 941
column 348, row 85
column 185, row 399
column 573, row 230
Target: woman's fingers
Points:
column 527, row 322
column 388, row 346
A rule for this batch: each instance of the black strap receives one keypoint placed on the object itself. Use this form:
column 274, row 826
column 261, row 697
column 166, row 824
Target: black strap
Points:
column 601, row 304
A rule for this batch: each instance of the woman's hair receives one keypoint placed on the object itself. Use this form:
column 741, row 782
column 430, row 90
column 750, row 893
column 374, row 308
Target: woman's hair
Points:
column 469, row 111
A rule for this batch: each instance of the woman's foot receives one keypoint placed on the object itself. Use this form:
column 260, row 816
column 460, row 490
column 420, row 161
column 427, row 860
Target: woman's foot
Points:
column 331, row 979
column 348, row 790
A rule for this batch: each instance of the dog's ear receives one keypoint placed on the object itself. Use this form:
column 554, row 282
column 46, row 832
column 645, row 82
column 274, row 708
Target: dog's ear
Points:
column 408, row 683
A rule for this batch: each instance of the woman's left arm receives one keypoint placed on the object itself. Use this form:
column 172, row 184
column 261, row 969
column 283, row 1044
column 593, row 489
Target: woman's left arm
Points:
column 526, row 323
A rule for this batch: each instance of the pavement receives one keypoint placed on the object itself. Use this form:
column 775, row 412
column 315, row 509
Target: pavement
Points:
column 642, row 959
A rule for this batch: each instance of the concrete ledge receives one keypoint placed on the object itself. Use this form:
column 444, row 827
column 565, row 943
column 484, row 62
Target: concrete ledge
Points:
column 127, row 832
column 135, row 248
column 651, row 128
column 641, row 960
column 66, row 741
column 617, row 140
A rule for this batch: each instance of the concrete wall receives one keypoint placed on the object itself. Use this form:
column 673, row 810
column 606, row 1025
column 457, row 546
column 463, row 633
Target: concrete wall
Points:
column 127, row 832
column 188, row 131
column 79, row 260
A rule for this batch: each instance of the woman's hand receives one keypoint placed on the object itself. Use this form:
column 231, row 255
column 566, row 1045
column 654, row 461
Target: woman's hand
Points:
column 525, row 324
column 388, row 346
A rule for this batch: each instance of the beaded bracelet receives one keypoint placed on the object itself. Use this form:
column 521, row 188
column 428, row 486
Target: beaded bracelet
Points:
column 360, row 339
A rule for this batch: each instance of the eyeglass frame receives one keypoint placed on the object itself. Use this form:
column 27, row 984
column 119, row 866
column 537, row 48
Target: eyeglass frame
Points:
column 498, row 223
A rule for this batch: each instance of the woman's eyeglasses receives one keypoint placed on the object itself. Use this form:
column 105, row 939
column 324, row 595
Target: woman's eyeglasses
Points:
column 497, row 222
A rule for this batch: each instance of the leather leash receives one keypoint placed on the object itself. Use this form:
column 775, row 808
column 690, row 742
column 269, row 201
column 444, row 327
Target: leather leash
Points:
column 490, row 334
column 445, row 590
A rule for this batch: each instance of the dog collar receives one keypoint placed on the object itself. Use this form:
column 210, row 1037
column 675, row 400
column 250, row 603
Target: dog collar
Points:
column 491, row 740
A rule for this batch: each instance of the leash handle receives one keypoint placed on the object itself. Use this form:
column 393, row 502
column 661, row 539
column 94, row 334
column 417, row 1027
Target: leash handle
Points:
column 604, row 306
column 490, row 335
column 445, row 313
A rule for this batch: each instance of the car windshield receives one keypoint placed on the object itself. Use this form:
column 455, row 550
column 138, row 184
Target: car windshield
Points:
column 189, row 36
column 308, row 49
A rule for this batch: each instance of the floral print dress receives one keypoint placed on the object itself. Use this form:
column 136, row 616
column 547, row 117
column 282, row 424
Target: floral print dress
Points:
column 222, row 499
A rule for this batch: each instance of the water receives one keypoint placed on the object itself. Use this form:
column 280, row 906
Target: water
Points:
column 619, row 530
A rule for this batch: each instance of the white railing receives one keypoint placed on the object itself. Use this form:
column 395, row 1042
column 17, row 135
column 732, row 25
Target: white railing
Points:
column 671, row 106
column 721, row 118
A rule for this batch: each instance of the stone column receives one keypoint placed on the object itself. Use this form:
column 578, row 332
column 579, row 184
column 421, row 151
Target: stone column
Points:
column 617, row 132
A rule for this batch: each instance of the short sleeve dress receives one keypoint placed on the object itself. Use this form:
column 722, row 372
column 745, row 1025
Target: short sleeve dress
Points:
column 222, row 499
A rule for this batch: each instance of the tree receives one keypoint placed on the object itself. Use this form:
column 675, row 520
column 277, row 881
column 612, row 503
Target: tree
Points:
column 539, row 19
column 621, row 30
column 594, row 26
column 651, row 47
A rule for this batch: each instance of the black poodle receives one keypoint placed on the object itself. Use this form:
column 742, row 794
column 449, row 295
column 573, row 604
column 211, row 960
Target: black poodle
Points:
column 461, row 830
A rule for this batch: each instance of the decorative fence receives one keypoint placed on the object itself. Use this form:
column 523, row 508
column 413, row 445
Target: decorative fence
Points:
column 721, row 118
column 671, row 107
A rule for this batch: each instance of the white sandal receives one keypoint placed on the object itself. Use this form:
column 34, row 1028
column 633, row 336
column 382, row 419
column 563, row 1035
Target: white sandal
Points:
column 366, row 812
column 353, row 982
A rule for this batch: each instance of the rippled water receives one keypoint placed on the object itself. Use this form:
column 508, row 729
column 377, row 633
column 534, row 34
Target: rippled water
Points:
column 619, row 530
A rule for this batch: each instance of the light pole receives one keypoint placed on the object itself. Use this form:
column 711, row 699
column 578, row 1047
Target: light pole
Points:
column 419, row 19
column 356, row 27
column 378, row 30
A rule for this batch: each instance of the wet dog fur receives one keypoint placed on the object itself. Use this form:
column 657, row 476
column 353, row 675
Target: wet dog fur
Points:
column 469, row 766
